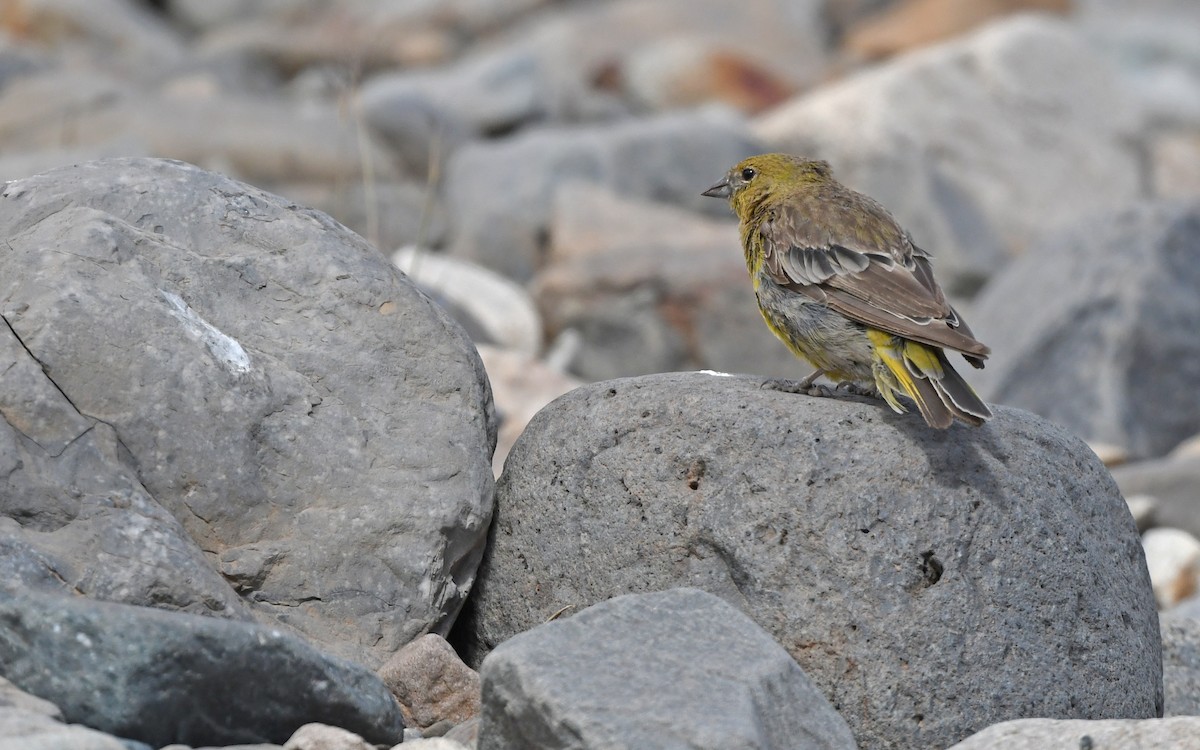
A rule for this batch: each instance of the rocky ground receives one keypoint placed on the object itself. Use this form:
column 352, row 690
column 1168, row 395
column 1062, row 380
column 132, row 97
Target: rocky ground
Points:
column 274, row 479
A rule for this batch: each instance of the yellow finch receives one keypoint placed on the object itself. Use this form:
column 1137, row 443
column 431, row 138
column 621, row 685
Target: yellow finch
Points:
column 842, row 284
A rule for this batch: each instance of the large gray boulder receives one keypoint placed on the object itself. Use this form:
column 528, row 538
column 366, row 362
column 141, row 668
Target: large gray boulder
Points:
column 222, row 402
column 163, row 677
column 929, row 582
column 676, row 669
column 1095, row 328
column 972, row 145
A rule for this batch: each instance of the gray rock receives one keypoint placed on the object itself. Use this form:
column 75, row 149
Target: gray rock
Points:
column 1189, row 607
column 501, row 193
column 265, row 376
column 1095, row 329
column 428, row 114
column 1051, row 734
column 1153, row 48
column 162, row 677
column 929, row 582
column 74, row 515
column 972, row 146
column 676, row 669
column 1174, row 483
column 607, row 42
column 1181, row 664
column 466, row 733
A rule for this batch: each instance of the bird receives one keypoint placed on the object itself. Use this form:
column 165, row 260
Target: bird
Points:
column 842, row 284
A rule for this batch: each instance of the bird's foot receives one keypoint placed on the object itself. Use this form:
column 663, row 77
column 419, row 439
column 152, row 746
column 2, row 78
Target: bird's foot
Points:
column 854, row 389
column 797, row 386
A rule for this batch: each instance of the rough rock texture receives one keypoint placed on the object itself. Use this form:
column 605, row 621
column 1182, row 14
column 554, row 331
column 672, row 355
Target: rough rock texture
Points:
column 431, row 683
column 972, row 145
column 1050, row 734
column 930, row 582
column 1181, row 665
column 317, row 426
column 676, row 669
column 162, row 677
column 502, row 222
column 1095, row 329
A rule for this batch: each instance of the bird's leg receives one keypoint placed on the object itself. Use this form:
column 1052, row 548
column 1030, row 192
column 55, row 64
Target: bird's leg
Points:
column 854, row 389
column 805, row 386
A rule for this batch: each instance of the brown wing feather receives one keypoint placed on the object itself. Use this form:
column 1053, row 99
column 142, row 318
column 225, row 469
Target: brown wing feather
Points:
column 846, row 251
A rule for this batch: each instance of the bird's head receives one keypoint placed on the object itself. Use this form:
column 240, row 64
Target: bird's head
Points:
column 757, row 178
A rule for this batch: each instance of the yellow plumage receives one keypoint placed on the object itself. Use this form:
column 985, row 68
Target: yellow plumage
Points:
column 842, row 285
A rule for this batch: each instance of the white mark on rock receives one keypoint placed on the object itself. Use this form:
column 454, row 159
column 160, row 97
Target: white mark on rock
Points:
column 715, row 374
column 83, row 640
column 225, row 349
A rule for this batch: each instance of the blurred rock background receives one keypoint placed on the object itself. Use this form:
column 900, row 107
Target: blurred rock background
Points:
column 536, row 166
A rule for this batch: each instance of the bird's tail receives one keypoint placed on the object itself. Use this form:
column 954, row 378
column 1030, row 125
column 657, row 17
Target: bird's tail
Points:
column 922, row 373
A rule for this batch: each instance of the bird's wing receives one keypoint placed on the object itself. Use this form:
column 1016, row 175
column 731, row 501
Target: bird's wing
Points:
column 854, row 258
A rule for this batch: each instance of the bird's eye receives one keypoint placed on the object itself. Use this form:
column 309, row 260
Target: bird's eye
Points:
column 748, row 174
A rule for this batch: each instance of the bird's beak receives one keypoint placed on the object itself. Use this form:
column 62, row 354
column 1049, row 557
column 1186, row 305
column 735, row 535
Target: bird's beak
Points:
column 720, row 190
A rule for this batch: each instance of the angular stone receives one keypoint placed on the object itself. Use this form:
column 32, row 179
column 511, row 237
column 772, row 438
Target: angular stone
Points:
column 679, row 668
column 929, row 582
column 431, row 683
column 161, row 677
